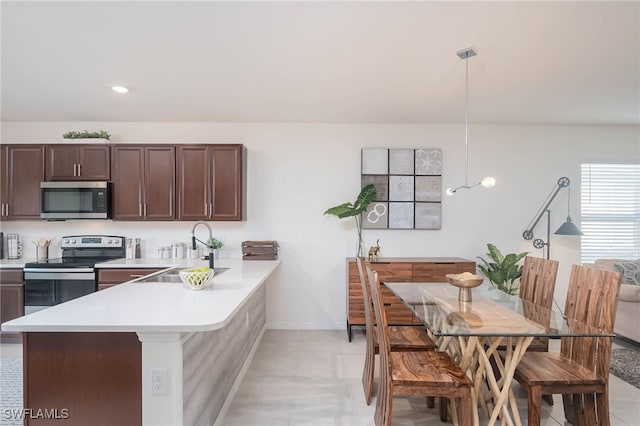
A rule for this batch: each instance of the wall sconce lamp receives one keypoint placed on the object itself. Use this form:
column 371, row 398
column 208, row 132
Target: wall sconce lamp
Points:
column 487, row 182
column 567, row 228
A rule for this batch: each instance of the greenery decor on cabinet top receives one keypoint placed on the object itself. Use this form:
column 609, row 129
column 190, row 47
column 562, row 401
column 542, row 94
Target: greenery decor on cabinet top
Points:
column 504, row 271
column 86, row 135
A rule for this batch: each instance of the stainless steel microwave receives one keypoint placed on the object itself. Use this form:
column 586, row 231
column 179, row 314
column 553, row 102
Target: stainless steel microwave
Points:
column 75, row 200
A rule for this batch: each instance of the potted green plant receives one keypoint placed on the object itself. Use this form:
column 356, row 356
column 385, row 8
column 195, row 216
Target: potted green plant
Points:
column 355, row 210
column 216, row 244
column 86, row 135
column 503, row 271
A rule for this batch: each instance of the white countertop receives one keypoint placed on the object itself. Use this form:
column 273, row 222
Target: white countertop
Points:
column 152, row 306
column 14, row 263
column 155, row 262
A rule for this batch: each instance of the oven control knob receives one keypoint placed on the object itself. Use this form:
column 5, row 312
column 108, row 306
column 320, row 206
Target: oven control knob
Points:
column 116, row 242
column 73, row 241
column 108, row 241
column 65, row 241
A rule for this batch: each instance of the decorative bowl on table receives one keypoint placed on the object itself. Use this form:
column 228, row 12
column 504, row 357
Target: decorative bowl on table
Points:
column 195, row 278
column 465, row 282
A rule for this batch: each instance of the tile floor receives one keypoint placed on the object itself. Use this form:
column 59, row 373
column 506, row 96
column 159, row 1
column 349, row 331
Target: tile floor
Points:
column 307, row 378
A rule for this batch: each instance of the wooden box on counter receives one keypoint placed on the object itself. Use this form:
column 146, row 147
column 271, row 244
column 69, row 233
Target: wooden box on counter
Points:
column 398, row 269
column 259, row 250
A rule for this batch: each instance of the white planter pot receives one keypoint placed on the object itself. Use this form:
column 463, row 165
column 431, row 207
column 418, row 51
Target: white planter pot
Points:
column 86, row 140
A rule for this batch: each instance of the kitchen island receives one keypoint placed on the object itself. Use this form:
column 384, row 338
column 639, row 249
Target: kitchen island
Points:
column 152, row 353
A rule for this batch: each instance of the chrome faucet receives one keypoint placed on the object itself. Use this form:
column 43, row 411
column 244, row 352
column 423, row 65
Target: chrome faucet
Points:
column 210, row 246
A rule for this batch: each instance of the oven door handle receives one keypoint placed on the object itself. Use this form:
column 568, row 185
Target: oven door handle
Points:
column 58, row 275
column 50, row 270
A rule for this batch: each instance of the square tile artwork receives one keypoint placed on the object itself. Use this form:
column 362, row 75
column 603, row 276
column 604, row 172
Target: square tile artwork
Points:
column 408, row 188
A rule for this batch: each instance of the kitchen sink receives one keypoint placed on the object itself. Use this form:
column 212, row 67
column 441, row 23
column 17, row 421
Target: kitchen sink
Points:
column 172, row 276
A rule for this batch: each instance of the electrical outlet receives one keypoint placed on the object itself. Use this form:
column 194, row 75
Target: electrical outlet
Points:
column 158, row 381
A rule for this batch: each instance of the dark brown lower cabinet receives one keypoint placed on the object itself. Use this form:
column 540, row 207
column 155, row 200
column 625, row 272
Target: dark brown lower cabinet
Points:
column 11, row 301
column 83, row 379
column 110, row 277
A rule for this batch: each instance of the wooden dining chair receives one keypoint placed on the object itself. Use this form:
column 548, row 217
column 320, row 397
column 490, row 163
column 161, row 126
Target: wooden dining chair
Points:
column 580, row 372
column 538, row 281
column 402, row 338
column 415, row 373
column 537, row 286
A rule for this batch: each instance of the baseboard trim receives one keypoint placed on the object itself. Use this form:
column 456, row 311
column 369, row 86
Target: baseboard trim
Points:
column 304, row 326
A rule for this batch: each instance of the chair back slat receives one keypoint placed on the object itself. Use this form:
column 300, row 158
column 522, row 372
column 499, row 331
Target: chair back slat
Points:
column 538, row 281
column 369, row 319
column 385, row 392
column 591, row 299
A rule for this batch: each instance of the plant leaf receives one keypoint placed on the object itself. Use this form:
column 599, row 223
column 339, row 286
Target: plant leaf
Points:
column 494, row 253
column 366, row 196
column 342, row 211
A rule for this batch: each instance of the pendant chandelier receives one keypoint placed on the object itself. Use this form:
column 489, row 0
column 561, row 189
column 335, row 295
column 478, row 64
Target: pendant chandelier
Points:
column 487, row 182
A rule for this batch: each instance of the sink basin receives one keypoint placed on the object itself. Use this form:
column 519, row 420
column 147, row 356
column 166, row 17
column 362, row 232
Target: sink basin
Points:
column 172, row 276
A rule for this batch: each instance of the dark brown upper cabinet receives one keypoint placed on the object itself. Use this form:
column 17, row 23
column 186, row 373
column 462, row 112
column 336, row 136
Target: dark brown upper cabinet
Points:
column 78, row 162
column 210, row 180
column 143, row 178
column 21, row 171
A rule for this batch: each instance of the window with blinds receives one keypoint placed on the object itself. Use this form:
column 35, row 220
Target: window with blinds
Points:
column 610, row 211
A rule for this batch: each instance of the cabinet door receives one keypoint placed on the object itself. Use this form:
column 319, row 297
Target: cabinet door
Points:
column 160, row 183
column 22, row 171
column 193, row 181
column 78, row 162
column 227, row 171
column 128, row 182
column 110, row 277
column 62, row 162
column 11, row 301
column 94, row 162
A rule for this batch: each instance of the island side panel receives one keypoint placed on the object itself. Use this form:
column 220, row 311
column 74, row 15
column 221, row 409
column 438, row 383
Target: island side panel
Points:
column 96, row 377
column 213, row 360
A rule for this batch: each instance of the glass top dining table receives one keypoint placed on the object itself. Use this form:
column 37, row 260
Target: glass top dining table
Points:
column 490, row 313
column 486, row 335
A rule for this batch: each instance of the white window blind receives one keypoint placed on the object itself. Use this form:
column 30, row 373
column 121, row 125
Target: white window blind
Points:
column 610, row 211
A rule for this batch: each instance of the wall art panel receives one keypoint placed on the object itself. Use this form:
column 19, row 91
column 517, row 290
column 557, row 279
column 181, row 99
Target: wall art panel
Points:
column 408, row 185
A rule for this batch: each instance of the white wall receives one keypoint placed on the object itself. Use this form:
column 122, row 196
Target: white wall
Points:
column 297, row 171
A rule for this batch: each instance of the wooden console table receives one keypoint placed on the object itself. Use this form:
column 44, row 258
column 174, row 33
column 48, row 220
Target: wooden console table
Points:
column 399, row 269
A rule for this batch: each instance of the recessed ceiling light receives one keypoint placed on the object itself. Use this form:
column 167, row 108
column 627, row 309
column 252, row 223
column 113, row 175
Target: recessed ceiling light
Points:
column 119, row 89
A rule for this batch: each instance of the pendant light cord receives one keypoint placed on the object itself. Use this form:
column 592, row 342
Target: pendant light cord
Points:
column 466, row 123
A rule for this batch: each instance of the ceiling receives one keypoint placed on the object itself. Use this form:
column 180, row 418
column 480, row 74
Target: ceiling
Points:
column 314, row 61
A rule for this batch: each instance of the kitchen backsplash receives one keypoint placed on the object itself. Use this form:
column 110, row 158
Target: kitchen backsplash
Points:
column 152, row 234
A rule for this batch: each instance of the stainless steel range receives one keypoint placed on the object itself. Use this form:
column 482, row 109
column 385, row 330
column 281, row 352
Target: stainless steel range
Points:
column 53, row 281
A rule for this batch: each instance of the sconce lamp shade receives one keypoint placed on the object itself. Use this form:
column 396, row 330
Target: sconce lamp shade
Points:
column 568, row 228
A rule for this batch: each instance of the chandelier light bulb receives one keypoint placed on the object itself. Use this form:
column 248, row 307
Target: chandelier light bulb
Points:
column 488, row 182
column 450, row 191
column 119, row 89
